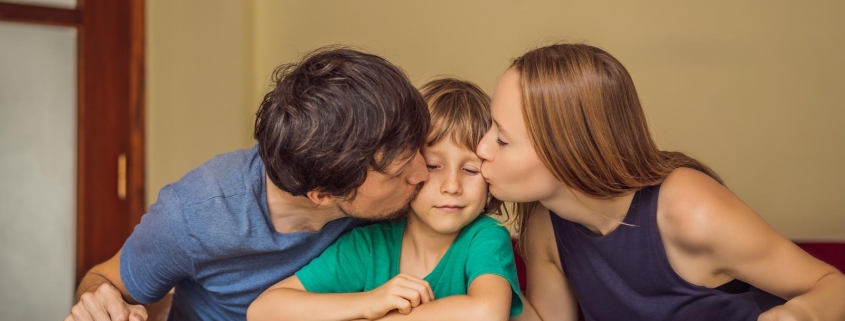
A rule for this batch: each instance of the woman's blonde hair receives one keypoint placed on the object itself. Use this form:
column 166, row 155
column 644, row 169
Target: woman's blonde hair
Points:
column 585, row 121
column 460, row 111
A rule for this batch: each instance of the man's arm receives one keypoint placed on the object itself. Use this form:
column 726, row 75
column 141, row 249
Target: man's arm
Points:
column 160, row 310
column 153, row 259
column 102, row 296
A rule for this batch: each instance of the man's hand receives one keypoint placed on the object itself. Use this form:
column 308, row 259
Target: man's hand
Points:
column 402, row 293
column 105, row 304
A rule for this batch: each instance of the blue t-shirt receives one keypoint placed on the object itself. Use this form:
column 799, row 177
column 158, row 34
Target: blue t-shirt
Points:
column 210, row 236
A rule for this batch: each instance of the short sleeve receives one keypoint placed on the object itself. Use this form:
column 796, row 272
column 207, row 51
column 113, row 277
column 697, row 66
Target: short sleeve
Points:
column 153, row 259
column 491, row 252
column 340, row 268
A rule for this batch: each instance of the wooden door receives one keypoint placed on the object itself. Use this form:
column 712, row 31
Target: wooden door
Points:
column 109, row 142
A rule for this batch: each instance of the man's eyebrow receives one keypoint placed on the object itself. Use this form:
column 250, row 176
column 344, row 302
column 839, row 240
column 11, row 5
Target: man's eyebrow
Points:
column 400, row 171
column 404, row 166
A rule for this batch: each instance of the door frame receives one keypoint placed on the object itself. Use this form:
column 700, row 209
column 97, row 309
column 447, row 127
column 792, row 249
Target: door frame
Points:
column 110, row 118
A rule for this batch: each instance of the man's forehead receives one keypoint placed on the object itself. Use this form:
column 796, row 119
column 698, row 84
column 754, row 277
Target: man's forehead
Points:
column 399, row 162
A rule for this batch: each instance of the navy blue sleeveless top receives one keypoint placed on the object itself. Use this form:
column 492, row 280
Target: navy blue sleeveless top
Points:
column 626, row 275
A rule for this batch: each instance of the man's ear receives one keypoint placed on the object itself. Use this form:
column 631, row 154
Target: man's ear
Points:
column 321, row 198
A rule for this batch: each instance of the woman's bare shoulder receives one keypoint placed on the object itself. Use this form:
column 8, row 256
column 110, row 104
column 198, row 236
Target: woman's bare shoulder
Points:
column 692, row 205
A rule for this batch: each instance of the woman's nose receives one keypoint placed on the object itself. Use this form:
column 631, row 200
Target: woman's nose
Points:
column 484, row 148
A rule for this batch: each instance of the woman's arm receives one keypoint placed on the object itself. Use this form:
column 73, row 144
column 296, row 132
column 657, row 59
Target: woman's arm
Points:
column 288, row 300
column 488, row 299
column 548, row 294
column 704, row 221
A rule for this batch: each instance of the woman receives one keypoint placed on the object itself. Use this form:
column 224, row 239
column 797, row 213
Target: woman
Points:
column 632, row 232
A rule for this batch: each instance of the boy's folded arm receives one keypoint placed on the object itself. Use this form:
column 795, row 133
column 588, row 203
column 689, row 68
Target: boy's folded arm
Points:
column 528, row 312
column 288, row 300
column 488, row 298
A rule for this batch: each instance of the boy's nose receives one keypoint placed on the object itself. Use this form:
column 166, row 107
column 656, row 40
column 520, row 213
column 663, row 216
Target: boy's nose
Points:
column 451, row 186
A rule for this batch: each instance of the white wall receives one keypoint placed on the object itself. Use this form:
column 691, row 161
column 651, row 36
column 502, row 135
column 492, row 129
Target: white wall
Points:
column 37, row 171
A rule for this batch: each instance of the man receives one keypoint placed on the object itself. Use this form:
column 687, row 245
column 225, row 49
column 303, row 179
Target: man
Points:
column 338, row 144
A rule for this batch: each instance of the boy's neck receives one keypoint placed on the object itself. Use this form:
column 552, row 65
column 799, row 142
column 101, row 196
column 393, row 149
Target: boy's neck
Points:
column 422, row 248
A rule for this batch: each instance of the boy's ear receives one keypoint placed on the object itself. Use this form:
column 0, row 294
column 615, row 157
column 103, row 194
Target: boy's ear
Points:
column 321, row 198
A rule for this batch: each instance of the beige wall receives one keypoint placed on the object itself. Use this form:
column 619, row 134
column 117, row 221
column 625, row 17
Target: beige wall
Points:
column 754, row 88
column 197, row 83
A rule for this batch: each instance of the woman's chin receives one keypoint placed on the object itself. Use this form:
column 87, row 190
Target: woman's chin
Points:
column 499, row 194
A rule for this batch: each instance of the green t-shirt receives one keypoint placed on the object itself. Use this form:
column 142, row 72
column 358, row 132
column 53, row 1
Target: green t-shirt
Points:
column 367, row 257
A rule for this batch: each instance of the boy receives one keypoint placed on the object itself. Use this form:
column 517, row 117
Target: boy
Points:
column 444, row 249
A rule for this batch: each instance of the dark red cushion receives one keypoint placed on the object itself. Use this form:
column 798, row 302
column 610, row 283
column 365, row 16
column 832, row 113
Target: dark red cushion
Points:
column 832, row 253
column 520, row 266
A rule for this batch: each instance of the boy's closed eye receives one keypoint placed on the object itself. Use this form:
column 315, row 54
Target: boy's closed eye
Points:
column 471, row 170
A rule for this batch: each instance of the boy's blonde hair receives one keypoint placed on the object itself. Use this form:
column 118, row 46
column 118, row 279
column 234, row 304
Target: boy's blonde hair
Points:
column 459, row 111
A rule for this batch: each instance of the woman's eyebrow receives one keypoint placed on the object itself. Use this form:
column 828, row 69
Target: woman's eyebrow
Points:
column 499, row 126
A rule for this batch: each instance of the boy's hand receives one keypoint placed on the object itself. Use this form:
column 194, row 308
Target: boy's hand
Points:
column 402, row 293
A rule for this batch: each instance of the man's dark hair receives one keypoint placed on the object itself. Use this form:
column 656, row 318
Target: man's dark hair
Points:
column 333, row 117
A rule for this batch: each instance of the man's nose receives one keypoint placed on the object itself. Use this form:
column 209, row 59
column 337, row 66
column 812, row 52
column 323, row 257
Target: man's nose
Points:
column 419, row 173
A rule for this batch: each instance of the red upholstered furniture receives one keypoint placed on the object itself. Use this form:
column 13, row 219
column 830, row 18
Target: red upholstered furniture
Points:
column 831, row 252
